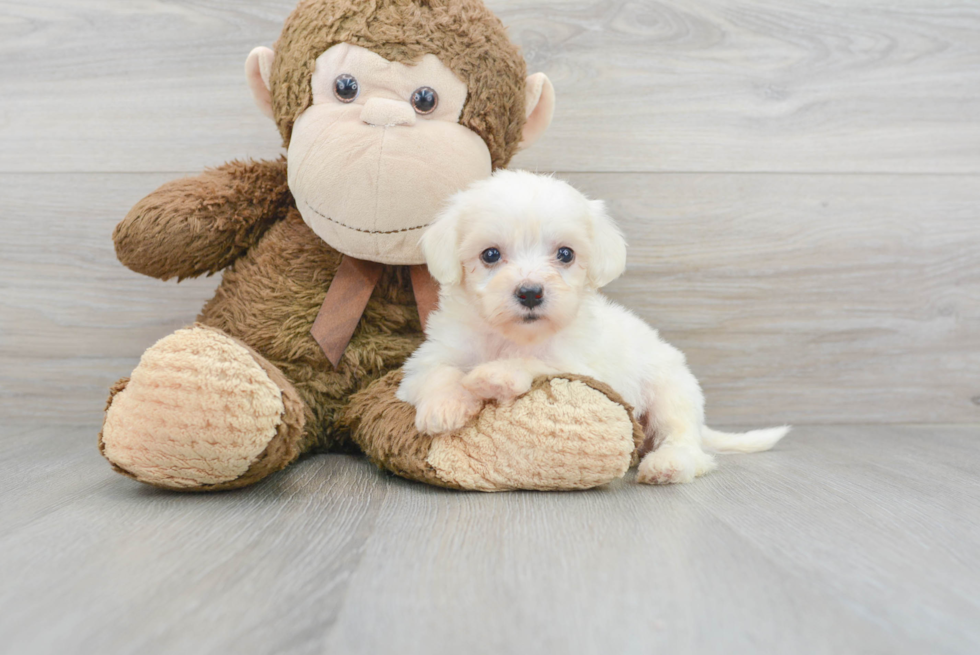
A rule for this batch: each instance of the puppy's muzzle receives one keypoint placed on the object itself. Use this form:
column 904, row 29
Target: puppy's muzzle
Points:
column 530, row 295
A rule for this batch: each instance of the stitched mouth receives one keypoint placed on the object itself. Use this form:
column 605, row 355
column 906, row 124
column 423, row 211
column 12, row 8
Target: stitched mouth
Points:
column 362, row 231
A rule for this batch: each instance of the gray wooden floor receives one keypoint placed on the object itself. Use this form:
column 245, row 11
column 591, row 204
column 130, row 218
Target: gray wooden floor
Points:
column 845, row 539
column 799, row 181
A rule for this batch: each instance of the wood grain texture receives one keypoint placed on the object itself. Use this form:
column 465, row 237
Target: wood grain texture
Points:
column 750, row 85
column 842, row 540
column 800, row 299
column 810, row 298
column 72, row 318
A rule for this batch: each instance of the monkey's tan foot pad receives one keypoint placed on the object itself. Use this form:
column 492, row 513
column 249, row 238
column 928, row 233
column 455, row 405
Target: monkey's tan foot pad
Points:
column 563, row 434
column 567, row 432
column 201, row 412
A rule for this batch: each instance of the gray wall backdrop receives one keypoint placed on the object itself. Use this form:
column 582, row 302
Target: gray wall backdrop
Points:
column 799, row 181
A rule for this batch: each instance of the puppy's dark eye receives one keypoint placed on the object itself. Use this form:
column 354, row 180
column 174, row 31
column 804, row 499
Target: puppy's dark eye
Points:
column 425, row 100
column 490, row 256
column 345, row 88
column 566, row 255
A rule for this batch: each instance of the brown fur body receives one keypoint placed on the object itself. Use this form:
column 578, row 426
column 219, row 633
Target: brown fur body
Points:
column 269, row 299
column 270, row 294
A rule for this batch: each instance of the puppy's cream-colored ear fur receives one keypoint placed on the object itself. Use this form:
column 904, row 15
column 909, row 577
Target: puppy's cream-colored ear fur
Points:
column 258, row 68
column 440, row 247
column 607, row 261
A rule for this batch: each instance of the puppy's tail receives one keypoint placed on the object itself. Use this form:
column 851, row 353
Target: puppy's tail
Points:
column 753, row 441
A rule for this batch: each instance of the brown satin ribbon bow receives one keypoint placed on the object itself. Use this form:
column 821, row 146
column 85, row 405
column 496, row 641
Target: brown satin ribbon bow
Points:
column 348, row 296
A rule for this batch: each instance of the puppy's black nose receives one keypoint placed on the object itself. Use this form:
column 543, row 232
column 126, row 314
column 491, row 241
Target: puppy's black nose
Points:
column 530, row 296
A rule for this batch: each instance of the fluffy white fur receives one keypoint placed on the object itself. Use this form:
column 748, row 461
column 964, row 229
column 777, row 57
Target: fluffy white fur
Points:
column 483, row 343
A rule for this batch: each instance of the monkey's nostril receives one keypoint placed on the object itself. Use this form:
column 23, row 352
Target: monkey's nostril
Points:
column 530, row 296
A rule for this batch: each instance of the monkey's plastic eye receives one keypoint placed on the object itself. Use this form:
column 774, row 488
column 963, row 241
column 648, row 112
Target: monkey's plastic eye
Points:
column 345, row 88
column 425, row 100
column 566, row 255
column 490, row 256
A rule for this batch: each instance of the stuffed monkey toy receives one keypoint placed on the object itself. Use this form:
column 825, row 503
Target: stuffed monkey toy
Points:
column 386, row 107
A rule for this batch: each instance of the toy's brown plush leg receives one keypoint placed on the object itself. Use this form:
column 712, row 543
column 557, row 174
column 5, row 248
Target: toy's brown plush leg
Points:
column 202, row 412
column 568, row 432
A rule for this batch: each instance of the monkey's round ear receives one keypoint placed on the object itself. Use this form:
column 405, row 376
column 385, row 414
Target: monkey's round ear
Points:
column 440, row 247
column 539, row 103
column 258, row 69
column 607, row 260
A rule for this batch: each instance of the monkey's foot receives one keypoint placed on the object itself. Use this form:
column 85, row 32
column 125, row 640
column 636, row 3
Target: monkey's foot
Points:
column 202, row 412
column 565, row 433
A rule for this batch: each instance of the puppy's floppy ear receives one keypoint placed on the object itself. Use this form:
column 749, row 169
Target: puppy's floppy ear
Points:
column 440, row 245
column 607, row 260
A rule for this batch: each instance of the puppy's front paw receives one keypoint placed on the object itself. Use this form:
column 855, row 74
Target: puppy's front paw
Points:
column 447, row 413
column 498, row 381
column 673, row 464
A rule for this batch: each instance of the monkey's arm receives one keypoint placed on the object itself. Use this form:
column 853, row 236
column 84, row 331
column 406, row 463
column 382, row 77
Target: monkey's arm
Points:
column 202, row 224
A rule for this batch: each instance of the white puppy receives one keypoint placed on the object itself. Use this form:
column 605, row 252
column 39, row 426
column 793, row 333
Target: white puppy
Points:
column 520, row 259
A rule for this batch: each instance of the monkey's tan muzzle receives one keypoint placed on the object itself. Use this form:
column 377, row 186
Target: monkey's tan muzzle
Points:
column 370, row 191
